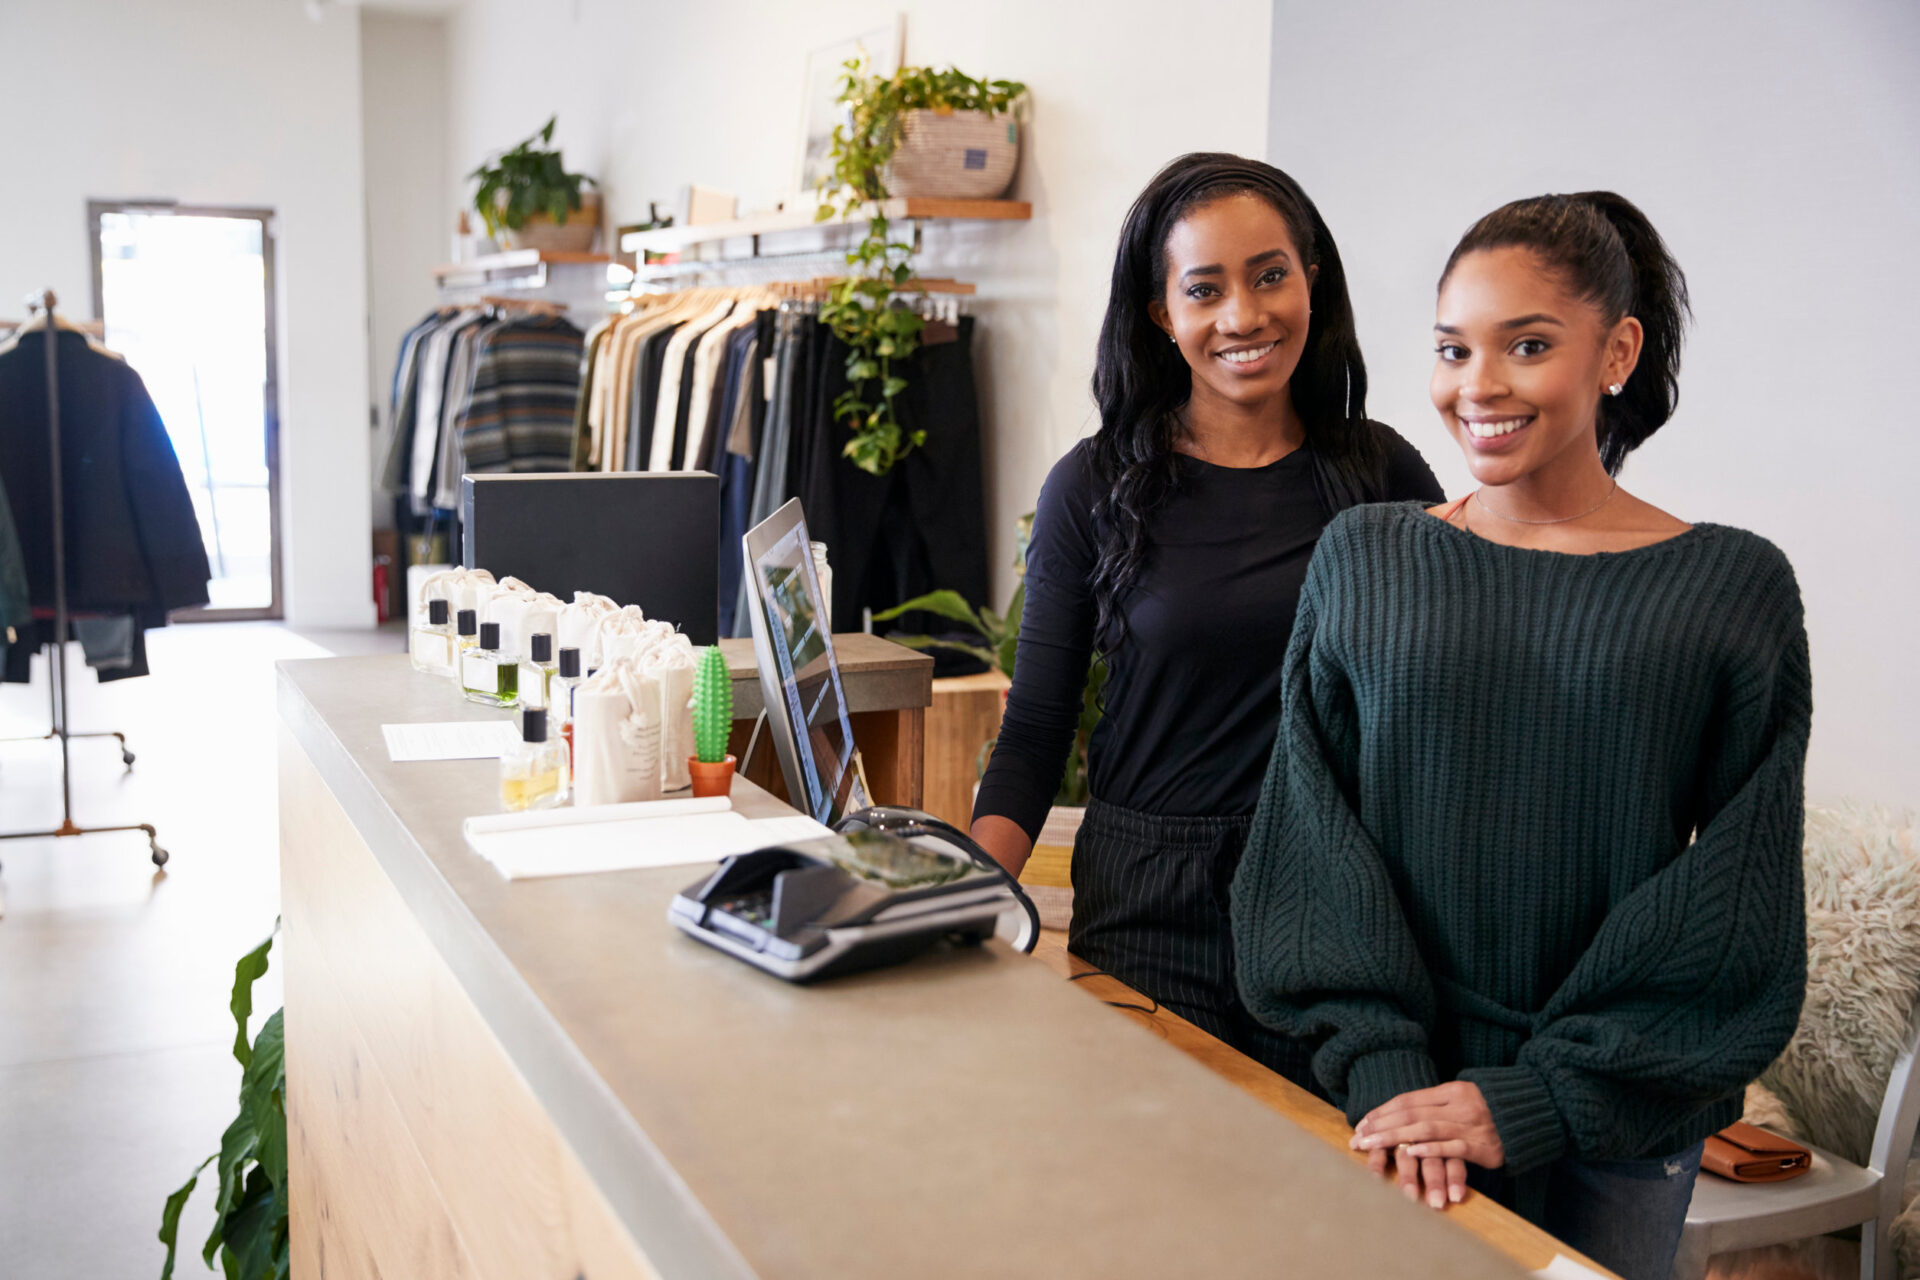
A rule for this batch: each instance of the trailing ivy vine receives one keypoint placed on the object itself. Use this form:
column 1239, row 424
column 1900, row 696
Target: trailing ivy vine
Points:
column 860, row 308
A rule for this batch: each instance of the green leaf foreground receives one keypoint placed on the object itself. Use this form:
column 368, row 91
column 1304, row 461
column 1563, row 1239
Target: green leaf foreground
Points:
column 861, row 308
column 1002, row 645
column 250, row 1227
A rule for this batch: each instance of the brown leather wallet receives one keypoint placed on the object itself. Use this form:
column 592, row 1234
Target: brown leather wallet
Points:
column 1748, row 1153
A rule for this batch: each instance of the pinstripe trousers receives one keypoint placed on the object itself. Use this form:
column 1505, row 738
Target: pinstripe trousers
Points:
column 1150, row 908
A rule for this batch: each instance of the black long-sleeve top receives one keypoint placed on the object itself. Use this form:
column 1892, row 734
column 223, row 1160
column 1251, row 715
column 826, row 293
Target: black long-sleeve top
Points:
column 1193, row 690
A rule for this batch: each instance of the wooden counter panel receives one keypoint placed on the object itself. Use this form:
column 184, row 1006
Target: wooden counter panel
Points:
column 423, row 1151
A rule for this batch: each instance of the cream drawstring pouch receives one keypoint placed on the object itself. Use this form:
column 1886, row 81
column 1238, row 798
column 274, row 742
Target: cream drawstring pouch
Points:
column 621, row 634
column 633, row 726
column 616, row 736
column 670, row 663
column 509, row 605
column 542, row 618
column 579, row 627
column 461, row 588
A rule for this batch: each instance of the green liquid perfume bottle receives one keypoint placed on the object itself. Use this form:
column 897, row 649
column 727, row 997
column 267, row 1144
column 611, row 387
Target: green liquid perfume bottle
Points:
column 486, row 676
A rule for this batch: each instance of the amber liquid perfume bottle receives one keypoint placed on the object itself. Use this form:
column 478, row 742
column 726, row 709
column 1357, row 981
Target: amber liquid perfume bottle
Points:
column 537, row 672
column 466, row 637
column 430, row 644
column 533, row 773
column 486, row 676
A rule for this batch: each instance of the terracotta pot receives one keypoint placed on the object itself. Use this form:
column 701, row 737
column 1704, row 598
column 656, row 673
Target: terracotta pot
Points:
column 711, row 779
column 575, row 235
column 955, row 155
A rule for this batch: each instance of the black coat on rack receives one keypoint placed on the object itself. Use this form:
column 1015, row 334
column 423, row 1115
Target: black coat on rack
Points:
column 133, row 542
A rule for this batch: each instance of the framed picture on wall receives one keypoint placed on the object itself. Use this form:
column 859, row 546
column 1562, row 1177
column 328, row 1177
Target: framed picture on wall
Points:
column 882, row 49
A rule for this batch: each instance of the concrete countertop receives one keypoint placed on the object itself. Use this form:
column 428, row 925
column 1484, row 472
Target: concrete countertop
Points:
column 966, row 1113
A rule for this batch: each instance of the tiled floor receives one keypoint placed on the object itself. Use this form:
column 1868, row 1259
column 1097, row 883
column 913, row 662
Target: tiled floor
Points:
column 116, row 1076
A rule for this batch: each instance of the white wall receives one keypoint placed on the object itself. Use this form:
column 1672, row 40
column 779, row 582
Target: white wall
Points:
column 410, row 215
column 652, row 96
column 1777, row 148
column 239, row 102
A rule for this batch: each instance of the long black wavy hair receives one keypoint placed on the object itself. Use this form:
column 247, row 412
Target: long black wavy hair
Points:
column 1609, row 255
column 1141, row 381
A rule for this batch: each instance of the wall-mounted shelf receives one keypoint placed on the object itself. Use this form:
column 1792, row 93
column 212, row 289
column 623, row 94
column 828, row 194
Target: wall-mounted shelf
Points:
column 514, row 269
column 675, row 239
column 516, row 260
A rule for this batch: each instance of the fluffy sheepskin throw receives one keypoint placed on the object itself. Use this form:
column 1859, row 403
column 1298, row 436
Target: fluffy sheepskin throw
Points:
column 1863, row 980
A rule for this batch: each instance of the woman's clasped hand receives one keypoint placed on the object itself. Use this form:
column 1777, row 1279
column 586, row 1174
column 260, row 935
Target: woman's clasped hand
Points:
column 1432, row 1135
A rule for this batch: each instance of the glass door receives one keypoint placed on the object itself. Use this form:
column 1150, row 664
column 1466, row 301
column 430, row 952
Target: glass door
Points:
column 186, row 294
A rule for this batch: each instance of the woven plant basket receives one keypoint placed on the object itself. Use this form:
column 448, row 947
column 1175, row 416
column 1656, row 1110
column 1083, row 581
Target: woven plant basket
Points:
column 575, row 235
column 958, row 155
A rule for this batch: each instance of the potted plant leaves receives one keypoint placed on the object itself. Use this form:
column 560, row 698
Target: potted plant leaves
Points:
column 710, row 765
column 999, row 642
column 529, row 201
column 918, row 132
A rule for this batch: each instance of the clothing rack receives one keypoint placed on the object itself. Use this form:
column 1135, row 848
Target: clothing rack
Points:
column 57, row 660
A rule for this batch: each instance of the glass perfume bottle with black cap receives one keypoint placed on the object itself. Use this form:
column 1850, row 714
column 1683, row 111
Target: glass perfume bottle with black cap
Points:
column 533, row 772
column 538, row 671
column 430, row 643
column 565, row 681
column 486, row 675
column 466, row 637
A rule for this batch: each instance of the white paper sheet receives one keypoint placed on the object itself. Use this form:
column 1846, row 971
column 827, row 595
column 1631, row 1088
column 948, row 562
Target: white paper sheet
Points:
column 580, row 847
column 1564, row 1268
column 450, row 740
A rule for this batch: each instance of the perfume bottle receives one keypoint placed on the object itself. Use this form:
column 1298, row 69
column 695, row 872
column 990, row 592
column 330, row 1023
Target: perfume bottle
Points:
column 533, row 773
column 485, row 675
column 565, row 681
column 537, row 672
column 466, row 636
column 430, row 644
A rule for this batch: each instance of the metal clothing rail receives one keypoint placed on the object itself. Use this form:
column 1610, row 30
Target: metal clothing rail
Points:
column 57, row 663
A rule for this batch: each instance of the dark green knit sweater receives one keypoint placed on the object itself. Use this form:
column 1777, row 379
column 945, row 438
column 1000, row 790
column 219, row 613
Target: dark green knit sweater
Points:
column 1533, row 820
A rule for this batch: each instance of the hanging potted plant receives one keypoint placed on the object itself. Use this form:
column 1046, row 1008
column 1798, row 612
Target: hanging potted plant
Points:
column 529, row 201
column 918, row 132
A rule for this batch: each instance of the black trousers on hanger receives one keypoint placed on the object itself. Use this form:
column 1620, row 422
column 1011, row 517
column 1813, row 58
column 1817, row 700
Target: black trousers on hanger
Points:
column 920, row 527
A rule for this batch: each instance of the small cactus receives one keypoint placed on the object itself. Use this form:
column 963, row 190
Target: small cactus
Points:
column 712, row 705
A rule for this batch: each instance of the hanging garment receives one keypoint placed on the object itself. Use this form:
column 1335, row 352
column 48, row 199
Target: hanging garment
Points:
column 132, row 541
column 667, row 418
column 435, row 356
column 518, row 413
column 922, row 526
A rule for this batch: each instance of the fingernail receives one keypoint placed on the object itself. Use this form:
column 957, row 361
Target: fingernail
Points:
column 1456, row 1194
column 1413, row 1193
column 1433, row 1198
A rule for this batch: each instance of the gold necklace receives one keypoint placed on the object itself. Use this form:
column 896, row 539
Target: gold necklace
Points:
column 1560, row 520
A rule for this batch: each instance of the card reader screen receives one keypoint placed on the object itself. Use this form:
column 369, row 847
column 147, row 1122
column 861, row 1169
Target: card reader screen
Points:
column 893, row 862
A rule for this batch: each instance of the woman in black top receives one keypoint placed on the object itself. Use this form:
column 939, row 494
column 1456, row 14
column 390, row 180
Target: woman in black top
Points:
column 1174, row 542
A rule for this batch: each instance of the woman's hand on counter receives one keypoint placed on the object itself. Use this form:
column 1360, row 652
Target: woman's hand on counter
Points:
column 1003, row 838
column 1432, row 1134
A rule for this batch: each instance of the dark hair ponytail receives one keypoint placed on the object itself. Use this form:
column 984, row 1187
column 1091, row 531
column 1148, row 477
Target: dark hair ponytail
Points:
column 1140, row 379
column 1610, row 255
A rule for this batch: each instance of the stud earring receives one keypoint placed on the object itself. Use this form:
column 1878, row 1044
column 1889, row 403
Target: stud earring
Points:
column 1174, row 340
column 1614, row 388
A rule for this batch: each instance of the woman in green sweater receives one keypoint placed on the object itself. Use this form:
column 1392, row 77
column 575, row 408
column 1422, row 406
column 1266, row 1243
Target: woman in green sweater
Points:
column 1526, row 864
